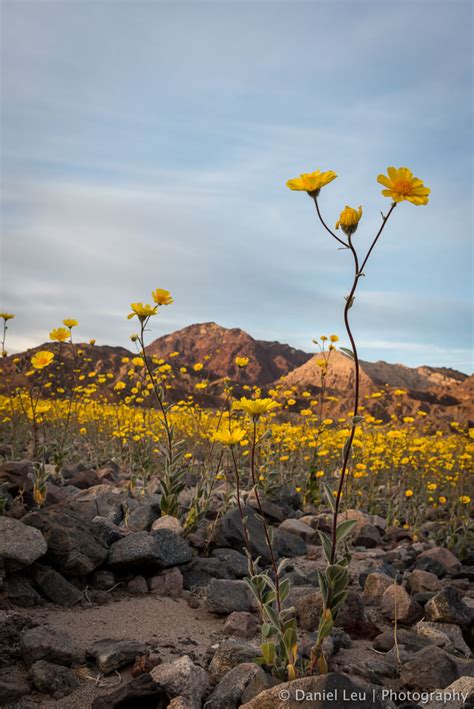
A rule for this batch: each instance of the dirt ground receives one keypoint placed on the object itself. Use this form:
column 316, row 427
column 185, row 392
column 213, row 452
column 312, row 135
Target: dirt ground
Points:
column 170, row 626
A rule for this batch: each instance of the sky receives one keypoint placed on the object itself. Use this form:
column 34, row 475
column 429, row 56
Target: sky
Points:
column 148, row 144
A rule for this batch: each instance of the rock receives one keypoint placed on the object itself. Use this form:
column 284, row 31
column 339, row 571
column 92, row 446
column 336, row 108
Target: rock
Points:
column 103, row 501
column 20, row 591
column 373, row 669
column 230, row 653
column 145, row 663
column 168, row 522
column 368, row 536
column 49, row 643
column 235, row 562
column 225, row 596
column 326, row 692
column 11, row 690
column 362, row 519
column 167, row 583
column 420, row 581
column 138, row 585
column 142, row 518
column 353, row 620
column 12, row 626
column 429, row 669
column 201, row 570
column 442, row 557
column 156, row 550
column 241, row 625
column 410, row 640
column 56, row 680
column 83, row 479
column 296, row 526
column 20, row 545
column 376, row 584
column 397, row 604
column 447, row 607
column 110, row 655
column 103, row 580
column 16, row 476
column 72, row 547
column 228, row 693
column 182, row 678
column 140, row 693
column 228, row 533
column 55, row 587
column 446, row 635
column 271, row 510
column 307, row 604
column 106, row 531
column 459, row 695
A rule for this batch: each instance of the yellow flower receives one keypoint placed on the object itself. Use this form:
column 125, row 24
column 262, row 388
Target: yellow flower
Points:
column 402, row 185
column 465, row 499
column 255, row 407
column 7, row 316
column 349, row 219
column 229, row 438
column 59, row 334
column 42, row 359
column 334, row 338
column 442, row 500
column 92, row 342
column 142, row 311
column 138, row 361
column 408, row 493
column 241, row 361
column 70, row 322
column 198, row 366
column 162, row 297
column 311, row 182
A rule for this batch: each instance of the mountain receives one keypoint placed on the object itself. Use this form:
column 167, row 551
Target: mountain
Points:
column 445, row 395
column 217, row 347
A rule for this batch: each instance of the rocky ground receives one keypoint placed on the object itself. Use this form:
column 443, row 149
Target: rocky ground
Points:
column 104, row 603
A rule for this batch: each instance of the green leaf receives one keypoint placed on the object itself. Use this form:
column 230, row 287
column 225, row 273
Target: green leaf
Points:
column 330, row 497
column 344, row 528
column 268, row 652
column 347, row 352
column 267, row 630
column 285, row 588
column 326, row 544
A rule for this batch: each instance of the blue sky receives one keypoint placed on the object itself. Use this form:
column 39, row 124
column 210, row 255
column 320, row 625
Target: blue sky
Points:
column 148, row 144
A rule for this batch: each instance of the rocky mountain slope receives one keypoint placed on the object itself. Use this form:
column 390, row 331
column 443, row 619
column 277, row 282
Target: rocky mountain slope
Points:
column 443, row 394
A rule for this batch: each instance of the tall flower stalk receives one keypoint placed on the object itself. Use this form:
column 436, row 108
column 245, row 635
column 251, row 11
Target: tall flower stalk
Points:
column 400, row 185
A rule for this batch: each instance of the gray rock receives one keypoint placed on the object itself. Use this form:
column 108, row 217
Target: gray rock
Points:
column 459, row 695
column 103, row 579
column 182, row 678
column 308, row 604
column 142, row 518
column 367, row 536
column 429, row 669
column 326, row 691
column 236, row 563
column 20, row 545
column 105, row 530
column 229, row 691
column 140, row 692
column 56, row 680
column 420, row 581
column 410, row 640
column 296, row 526
column 55, row 587
column 398, row 604
column 49, row 643
column 225, row 596
column 230, row 653
column 154, row 550
column 138, row 585
column 20, row 591
column 228, row 533
column 12, row 689
column 376, row 584
column 447, row 607
column 241, row 625
column 167, row 583
column 110, row 654
column 168, row 522
column 72, row 547
column 200, row 571
column 446, row 635
column 103, row 501
column 444, row 558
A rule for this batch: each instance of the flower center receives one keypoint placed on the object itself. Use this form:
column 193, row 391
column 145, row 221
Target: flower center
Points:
column 403, row 186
